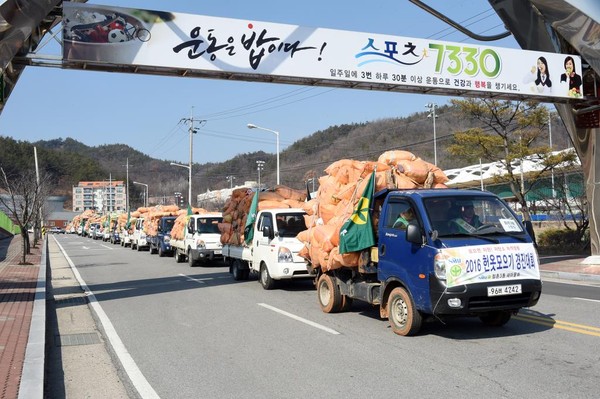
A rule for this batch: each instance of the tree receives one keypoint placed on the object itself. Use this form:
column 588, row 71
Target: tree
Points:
column 510, row 132
column 568, row 202
column 24, row 199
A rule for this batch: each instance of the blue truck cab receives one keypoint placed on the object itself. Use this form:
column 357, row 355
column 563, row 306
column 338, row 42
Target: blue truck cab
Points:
column 463, row 253
column 161, row 242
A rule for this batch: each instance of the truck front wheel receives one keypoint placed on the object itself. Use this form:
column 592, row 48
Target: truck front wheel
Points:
column 496, row 318
column 328, row 292
column 190, row 258
column 404, row 318
column 265, row 278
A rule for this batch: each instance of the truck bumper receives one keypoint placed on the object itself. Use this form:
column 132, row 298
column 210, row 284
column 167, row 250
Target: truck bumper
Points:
column 474, row 299
column 199, row 255
column 166, row 248
column 290, row 270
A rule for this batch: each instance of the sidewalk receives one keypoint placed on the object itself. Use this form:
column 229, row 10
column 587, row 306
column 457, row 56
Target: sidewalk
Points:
column 23, row 346
column 22, row 321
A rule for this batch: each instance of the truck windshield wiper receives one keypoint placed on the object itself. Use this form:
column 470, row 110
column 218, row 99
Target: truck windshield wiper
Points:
column 520, row 237
column 490, row 239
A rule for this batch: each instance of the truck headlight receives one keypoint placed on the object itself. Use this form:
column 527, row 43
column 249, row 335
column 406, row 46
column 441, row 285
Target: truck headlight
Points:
column 167, row 239
column 284, row 255
column 200, row 244
column 439, row 266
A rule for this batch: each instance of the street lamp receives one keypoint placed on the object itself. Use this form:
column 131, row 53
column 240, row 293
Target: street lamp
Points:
column 146, row 193
column 189, row 168
column 251, row 126
column 259, row 167
column 433, row 115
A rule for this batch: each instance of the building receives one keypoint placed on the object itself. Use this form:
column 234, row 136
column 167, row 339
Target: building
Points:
column 564, row 181
column 101, row 196
column 55, row 214
column 213, row 200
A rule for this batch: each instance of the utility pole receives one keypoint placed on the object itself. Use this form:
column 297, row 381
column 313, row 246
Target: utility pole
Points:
column 259, row 166
column 37, row 228
column 127, row 188
column 551, row 150
column 230, row 179
column 192, row 131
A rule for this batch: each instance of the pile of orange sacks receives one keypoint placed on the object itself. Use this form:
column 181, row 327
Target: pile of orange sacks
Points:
column 341, row 188
column 237, row 207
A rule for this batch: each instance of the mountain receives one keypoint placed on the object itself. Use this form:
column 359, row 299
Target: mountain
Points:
column 69, row 161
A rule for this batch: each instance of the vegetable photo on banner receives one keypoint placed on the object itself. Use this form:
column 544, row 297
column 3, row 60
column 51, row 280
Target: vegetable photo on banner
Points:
column 248, row 229
column 356, row 233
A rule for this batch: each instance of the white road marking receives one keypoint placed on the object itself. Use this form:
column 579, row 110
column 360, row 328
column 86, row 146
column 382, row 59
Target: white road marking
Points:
column 135, row 375
column 84, row 247
column 586, row 299
column 192, row 279
column 303, row 320
column 106, row 246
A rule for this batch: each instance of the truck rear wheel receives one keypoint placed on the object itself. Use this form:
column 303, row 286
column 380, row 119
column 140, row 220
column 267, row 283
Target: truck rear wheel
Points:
column 265, row 278
column 404, row 318
column 237, row 271
column 177, row 256
column 328, row 293
column 161, row 253
column 496, row 318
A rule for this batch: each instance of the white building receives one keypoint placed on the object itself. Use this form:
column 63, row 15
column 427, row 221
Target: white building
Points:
column 102, row 196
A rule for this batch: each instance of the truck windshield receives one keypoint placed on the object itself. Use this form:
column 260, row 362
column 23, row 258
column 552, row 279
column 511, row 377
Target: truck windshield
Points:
column 168, row 225
column 290, row 224
column 470, row 215
column 209, row 225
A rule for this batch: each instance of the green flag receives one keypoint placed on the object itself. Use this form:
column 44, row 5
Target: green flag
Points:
column 249, row 228
column 128, row 224
column 357, row 233
column 189, row 211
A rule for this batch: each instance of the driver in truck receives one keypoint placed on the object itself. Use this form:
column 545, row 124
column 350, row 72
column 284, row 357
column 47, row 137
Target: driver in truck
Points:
column 467, row 222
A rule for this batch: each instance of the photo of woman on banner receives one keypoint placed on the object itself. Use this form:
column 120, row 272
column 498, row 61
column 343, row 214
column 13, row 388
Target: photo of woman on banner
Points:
column 571, row 77
column 540, row 77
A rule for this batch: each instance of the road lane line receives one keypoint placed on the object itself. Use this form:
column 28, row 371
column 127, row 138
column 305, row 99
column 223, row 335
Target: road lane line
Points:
column 106, row 246
column 586, row 299
column 562, row 325
column 135, row 375
column 298, row 318
column 192, row 279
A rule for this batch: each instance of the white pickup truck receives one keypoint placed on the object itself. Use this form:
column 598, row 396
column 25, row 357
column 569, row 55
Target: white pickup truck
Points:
column 201, row 241
column 273, row 252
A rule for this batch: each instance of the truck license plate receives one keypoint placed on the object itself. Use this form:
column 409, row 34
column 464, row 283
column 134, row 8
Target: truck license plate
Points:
column 504, row 290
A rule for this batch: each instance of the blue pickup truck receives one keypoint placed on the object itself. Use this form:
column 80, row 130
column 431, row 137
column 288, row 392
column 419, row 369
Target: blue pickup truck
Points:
column 464, row 253
column 161, row 242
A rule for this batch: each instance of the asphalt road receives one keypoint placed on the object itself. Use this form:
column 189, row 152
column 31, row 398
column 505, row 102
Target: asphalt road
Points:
column 195, row 332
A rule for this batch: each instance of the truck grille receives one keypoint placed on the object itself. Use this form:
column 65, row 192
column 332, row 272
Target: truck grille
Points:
column 507, row 302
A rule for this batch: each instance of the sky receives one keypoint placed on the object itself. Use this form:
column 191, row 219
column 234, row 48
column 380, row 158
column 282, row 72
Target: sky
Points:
column 145, row 111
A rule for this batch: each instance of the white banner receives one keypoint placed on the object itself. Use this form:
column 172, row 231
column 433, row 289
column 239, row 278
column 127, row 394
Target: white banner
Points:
column 490, row 263
column 122, row 36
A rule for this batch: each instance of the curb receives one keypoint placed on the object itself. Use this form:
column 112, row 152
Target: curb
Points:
column 570, row 276
column 32, row 376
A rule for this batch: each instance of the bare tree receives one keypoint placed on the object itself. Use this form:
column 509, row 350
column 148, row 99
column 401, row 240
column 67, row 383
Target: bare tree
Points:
column 510, row 133
column 24, row 199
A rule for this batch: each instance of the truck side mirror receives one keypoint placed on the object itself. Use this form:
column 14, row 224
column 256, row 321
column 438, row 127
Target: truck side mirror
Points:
column 413, row 234
column 268, row 232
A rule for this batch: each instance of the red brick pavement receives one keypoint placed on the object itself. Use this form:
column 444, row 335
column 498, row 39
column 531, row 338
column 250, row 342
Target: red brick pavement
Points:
column 17, row 293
